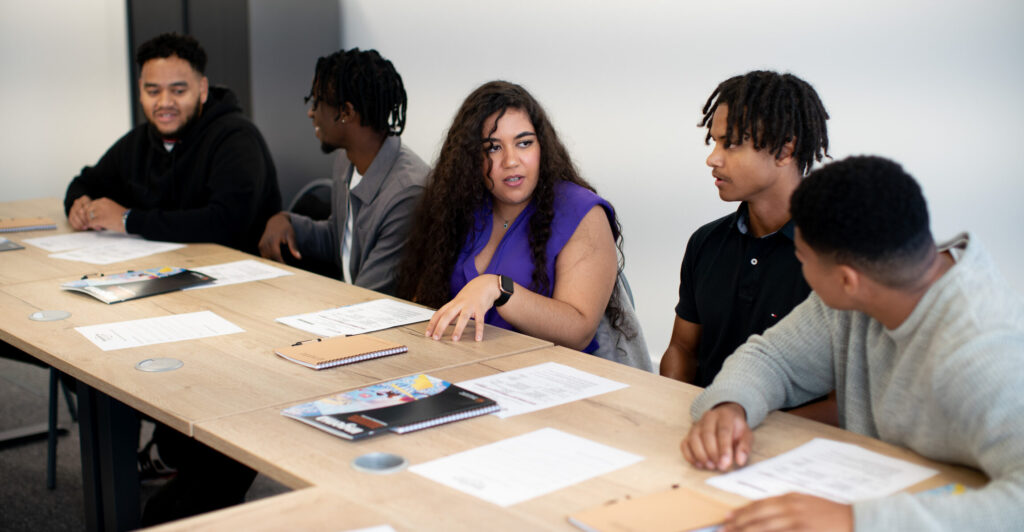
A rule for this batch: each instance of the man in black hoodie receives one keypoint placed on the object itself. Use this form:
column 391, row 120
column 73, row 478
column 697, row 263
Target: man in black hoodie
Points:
column 197, row 171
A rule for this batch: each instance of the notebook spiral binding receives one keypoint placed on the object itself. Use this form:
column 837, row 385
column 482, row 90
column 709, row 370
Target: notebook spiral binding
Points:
column 445, row 419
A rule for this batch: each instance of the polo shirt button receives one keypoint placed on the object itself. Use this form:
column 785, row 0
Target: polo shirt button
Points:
column 753, row 262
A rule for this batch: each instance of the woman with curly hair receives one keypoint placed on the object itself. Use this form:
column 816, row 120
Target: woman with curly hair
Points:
column 508, row 233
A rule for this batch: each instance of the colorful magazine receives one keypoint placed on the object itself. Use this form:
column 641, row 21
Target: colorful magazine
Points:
column 401, row 405
column 134, row 284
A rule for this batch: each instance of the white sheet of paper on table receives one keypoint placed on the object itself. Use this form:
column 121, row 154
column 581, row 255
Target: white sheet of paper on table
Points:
column 78, row 240
column 358, row 318
column 842, row 472
column 241, row 271
column 520, row 468
column 541, row 386
column 149, row 331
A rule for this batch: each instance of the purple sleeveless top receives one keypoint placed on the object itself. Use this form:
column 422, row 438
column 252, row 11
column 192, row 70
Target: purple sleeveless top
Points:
column 513, row 257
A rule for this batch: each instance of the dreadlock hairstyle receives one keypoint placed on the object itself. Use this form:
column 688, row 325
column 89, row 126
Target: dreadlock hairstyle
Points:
column 457, row 189
column 772, row 109
column 168, row 44
column 367, row 81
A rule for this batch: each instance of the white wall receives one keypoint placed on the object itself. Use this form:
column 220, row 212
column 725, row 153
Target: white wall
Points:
column 936, row 87
column 63, row 91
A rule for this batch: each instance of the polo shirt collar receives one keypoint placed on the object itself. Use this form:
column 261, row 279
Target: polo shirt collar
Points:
column 742, row 223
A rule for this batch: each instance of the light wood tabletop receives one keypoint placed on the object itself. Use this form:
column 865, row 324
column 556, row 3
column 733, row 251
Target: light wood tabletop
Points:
column 313, row 508
column 648, row 418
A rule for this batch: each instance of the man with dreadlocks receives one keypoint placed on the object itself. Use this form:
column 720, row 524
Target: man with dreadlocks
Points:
column 196, row 171
column 739, row 275
column 358, row 106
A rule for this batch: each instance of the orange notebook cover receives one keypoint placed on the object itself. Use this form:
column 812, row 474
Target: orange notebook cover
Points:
column 675, row 510
column 11, row 225
column 324, row 353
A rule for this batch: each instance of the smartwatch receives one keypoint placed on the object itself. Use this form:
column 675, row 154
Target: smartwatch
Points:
column 507, row 286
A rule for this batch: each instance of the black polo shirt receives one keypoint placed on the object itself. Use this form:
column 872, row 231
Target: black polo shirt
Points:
column 734, row 285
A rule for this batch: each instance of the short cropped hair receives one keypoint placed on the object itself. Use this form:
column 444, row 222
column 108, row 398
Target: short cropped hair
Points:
column 772, row 109
column 367, row 81
column 171, row 44
column 866, row 212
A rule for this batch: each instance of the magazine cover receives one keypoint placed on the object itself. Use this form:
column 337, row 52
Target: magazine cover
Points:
column 134, row 284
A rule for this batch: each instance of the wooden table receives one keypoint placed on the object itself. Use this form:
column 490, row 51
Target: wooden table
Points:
column 231, row 389
column 221, row 376
column 649, row 418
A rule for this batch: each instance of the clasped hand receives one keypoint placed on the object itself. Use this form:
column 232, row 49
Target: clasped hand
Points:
column 473, row 301
column 103, row 213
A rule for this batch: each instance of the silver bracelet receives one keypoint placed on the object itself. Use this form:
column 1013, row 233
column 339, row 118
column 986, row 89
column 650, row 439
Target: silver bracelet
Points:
column 124, row 220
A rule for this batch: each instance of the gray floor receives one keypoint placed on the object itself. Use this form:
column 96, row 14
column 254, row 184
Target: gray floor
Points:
column 25, row 503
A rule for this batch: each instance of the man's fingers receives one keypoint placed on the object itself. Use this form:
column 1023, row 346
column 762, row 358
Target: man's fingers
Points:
column 744, row 443
column 724, row 442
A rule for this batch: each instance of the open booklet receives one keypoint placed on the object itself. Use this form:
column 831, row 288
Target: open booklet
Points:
column 402, row 405
column 134, row 284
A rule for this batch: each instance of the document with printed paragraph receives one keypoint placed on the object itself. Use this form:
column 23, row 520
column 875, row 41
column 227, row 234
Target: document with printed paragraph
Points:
column 538, row 387
column 842, row 472
column 241, row 271
column 149, row 331
column 358, row 318
column 520, row 468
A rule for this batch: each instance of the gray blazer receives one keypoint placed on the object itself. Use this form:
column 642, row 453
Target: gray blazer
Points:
column 382, row 206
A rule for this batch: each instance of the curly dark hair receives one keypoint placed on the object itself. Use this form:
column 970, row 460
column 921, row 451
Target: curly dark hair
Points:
column 367, row 81
column 866, row 212
column 168, row 44
column 772, row 109
column 456, row 190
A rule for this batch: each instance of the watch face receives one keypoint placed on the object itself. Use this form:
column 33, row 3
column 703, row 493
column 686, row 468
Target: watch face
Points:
column 507, row 284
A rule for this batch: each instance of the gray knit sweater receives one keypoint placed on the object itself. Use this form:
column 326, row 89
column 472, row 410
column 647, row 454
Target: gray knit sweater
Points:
column 947, row 383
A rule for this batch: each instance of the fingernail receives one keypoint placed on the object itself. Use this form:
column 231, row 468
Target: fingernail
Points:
column 741, row 458
column 455, row 338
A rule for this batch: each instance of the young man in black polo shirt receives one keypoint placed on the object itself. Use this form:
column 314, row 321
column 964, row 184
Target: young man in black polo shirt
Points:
column 739, row 274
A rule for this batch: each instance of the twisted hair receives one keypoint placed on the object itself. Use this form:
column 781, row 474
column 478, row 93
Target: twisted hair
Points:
column 168, row 44
column 457, row 189
column 367, row 81
column 772, row 109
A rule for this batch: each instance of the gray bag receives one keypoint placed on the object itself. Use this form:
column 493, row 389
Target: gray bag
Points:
column 614, row 345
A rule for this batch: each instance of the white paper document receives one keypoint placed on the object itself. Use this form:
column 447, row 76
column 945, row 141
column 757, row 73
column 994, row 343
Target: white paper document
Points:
column 842, row 472
column 77, row 240
column 520, row 468
column 100, row 247
column 148, row 331
column 242, row 271
column 359, row 318
column 538, row 387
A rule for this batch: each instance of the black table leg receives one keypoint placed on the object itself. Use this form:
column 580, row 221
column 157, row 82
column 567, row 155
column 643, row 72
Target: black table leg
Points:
column 109, row 436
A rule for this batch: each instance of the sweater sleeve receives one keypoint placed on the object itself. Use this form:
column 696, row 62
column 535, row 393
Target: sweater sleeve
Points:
column 235, row 175
column 790, row 364
column 107, row 179
column 979, row 391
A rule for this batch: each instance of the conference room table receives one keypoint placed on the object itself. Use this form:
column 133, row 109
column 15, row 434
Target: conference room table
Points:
column 231, row 389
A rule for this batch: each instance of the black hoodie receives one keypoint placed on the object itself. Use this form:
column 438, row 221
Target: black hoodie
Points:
column 218, row 184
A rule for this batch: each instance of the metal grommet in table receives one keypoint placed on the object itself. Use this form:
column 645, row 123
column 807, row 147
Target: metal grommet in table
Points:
column 379, row 463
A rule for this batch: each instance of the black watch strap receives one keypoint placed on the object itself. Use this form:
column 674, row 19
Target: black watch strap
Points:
column 507, row 286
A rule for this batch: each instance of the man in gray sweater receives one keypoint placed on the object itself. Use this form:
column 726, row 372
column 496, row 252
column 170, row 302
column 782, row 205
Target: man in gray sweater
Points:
column 923, row 344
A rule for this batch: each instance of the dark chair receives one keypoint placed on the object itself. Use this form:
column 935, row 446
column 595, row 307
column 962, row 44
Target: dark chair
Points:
column 314, row 201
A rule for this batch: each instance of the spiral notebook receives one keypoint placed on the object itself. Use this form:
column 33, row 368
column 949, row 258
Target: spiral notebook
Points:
column 401, row 405
column 12, row 225
column 322, row 353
